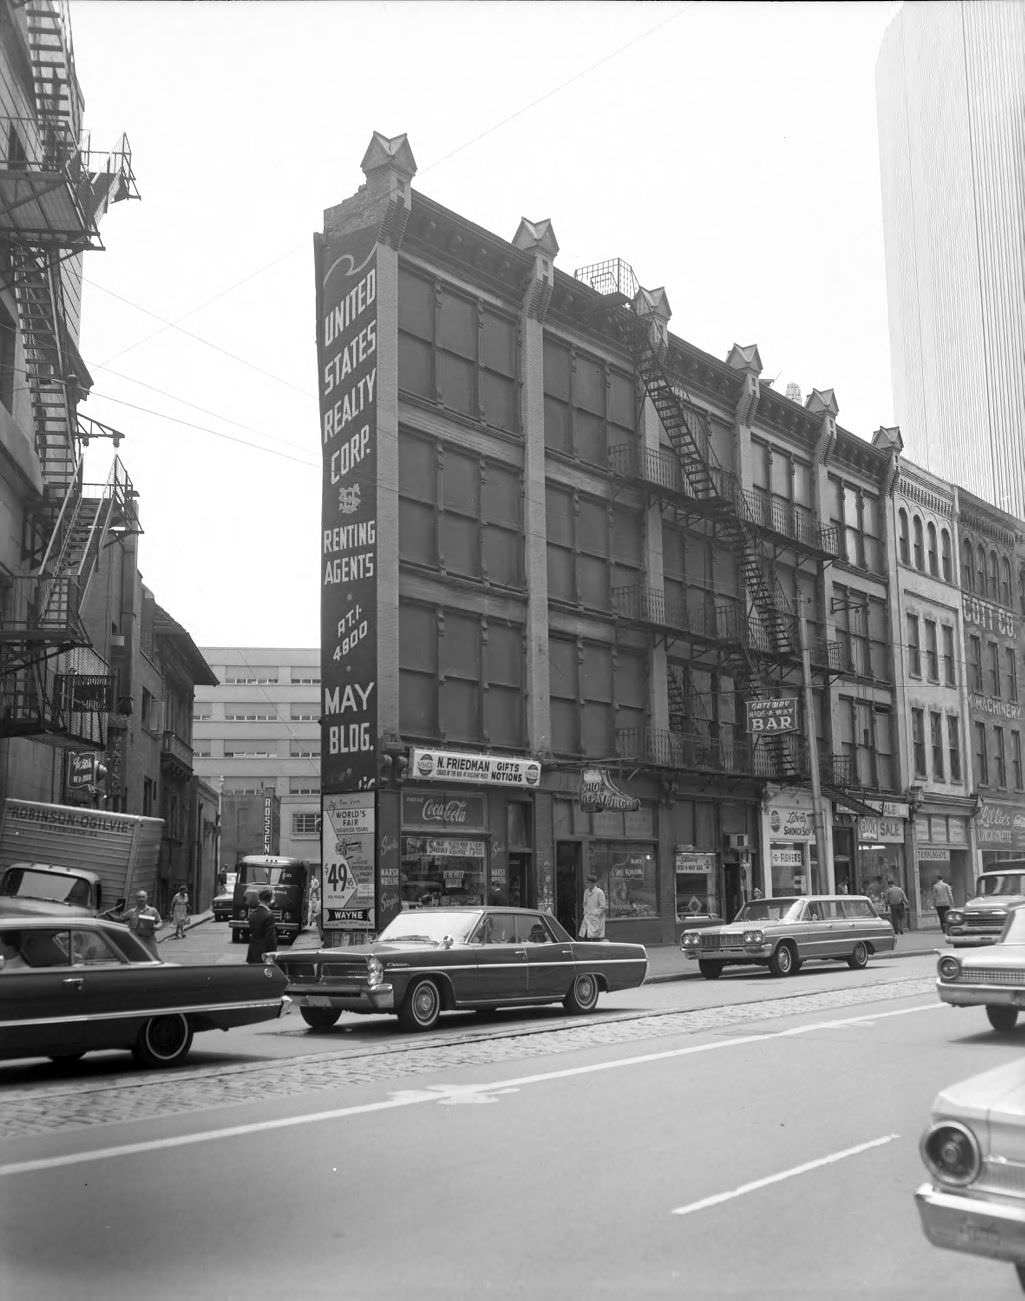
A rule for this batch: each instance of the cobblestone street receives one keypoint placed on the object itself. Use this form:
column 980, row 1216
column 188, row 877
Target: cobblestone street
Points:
column 64, row 1104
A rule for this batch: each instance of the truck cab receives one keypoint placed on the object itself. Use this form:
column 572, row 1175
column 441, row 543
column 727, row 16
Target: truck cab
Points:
column 286, row 878
column 981, row 919
column 48, row 889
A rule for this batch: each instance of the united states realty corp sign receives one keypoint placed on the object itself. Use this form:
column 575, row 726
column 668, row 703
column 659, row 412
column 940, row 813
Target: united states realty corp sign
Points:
column 478, row 769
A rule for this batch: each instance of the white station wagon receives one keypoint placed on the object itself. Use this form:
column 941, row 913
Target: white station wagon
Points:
column 992, row 977
column 784, row 933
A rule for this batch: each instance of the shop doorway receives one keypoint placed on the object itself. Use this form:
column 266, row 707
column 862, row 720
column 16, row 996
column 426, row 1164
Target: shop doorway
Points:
column 521, row 894
column 733, row 889
column 568, row 883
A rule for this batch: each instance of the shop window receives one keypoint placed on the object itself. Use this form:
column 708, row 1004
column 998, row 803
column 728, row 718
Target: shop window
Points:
column 697, row 885
column 437, row 871
column 628, row 875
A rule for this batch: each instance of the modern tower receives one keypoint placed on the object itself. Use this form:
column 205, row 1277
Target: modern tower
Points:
column 950, row 88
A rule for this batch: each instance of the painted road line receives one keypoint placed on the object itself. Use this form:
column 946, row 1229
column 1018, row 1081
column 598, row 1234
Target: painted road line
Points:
column 444, row 1094
column 833, row 1157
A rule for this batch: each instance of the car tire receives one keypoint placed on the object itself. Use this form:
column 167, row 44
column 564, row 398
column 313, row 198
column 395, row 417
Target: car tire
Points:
column 710, row 970
column 783, row 961
column 1001, row 1018
column 859, row 956
column 319, row 1018
column 583, row 994
column 421, row 1007
column 163, row 1041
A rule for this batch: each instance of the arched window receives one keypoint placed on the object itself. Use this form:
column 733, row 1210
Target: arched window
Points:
column 993, row 587
column 919, row 556
column 980, row 569
column 945, row 557
column 968, row 565
column 1005, row 581
column 1021, row 588
column 930, row 537
column 904, row 541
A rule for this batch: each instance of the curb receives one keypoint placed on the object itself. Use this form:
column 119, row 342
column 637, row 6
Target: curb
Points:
column 664, row 977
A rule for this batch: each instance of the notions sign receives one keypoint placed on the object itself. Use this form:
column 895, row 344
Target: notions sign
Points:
column 347, row 356
column 770, row 717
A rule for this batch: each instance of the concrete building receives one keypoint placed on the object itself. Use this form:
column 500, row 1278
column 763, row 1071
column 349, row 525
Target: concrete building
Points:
column 257, row 737
column 950, row 84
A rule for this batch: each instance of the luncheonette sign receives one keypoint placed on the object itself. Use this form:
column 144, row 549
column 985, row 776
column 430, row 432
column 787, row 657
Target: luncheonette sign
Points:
column 479, row 769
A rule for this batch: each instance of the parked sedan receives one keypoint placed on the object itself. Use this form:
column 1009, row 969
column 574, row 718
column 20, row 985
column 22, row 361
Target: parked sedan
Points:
column 432, row 960
column 992, row 977
column 974, row 1149
column 69, row 987
column 785, row 932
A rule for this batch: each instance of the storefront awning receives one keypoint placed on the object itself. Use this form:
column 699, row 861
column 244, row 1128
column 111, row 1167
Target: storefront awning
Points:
column 851, row 802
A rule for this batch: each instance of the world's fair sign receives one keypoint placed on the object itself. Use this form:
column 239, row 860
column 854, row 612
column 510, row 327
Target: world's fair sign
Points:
column 346, row 268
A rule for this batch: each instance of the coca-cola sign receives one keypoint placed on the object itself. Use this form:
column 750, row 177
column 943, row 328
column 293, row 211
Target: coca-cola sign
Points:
column 444, row 809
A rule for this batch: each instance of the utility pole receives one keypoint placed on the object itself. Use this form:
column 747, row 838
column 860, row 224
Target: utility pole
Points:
column 825, row 883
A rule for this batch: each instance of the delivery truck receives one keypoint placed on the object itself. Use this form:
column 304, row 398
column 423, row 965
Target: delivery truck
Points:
column 74, row 860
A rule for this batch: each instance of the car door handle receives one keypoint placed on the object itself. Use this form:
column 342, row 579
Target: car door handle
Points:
column 521, row 953
column 77, row 981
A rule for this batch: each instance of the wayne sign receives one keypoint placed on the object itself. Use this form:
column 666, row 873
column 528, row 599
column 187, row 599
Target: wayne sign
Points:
column 770, row 717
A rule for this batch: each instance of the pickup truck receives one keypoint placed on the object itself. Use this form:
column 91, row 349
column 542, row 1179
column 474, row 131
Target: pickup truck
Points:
column 981, row 919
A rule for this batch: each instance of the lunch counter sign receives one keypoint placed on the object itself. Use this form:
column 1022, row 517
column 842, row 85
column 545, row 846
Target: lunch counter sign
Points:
column 769, row 717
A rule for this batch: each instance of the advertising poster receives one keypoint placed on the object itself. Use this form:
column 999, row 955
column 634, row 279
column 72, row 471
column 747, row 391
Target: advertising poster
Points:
column 347, row 359
column 347, row 854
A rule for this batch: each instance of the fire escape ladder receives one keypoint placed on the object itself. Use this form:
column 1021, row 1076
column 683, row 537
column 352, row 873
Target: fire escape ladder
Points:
column 39, row 294
column 49, row 43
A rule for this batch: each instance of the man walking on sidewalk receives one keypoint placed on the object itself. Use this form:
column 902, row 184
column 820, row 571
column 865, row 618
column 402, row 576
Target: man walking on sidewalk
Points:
column 942, row 898
column 897, row 902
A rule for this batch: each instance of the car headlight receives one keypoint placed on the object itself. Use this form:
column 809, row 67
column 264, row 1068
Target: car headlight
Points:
column 949, row 967
column 754, row 937
column 955, row 917
column 375, row 971
column 951, row 1152
column 288, row 915
column 691, row 940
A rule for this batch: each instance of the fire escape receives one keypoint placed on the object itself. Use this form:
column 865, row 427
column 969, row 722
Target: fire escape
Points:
column 749, row 646
column 53, row 193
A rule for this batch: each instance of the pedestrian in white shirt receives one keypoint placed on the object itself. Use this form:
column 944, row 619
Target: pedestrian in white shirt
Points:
column 942, row 898
column 592, row 927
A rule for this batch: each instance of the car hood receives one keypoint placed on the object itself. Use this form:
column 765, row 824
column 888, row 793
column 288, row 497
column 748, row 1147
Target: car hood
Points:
column 10, row 906
column 994, row 901
column 992, row 1098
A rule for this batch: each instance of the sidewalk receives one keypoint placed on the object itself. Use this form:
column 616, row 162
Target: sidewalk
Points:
column 665, row 961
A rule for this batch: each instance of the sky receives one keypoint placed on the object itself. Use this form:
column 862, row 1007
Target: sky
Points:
column 728, row 152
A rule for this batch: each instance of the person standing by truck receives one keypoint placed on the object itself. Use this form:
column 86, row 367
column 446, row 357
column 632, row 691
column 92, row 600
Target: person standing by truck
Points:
column 263, row 936
column 144, row 920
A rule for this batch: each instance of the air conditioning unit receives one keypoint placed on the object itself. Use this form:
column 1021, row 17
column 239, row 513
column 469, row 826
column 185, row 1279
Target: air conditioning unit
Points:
column 738, row 842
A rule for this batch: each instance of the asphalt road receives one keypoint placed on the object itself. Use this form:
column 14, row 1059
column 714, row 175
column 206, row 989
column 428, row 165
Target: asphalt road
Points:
column 765, row 1145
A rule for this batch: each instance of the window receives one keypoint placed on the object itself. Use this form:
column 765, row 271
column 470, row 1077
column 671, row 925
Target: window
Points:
column 993, row 669
column 932, row 658
column 241, row 675
column 981, row 755
column 866, row 736
column 590, row 405
column 1005, row 581
column 967, row 566
column 593, row 548
column 1016, row 760
column 305, row 679
column 904, row 540
column 914, row 647
column 946, row 563
column 596, row 694
column 954, row 746
column 250, row 714
column 936, row 741
column 305, row 824
column 304, row 749
column 999, row 757
column 231, row 752
column 931, row 553
column 1010, row 673
column 202, row 750
column 202, row 713
column 949, row 672
column 993, row 583
column 152, row 716
column 303, row 786
column 916, row 526
column 8, row 357
column 975, row 663
column 459, row 512
column 855, row 514
column 304, row 713
column 918, row 741
column 980, row 569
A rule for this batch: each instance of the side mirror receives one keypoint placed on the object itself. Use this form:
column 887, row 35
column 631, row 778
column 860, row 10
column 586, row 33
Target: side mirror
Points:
column 447, row 941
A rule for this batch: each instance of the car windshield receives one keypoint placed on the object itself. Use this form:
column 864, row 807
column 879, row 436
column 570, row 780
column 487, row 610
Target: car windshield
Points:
column 769, row 910
column 1001, row 883
column 429, row 926
column 53, row 887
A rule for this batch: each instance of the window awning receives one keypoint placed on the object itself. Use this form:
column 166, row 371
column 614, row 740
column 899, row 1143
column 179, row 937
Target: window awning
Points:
column 851, row 802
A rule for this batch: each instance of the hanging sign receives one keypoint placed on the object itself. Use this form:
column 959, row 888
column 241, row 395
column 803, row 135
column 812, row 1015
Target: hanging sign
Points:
column 599, row 792
column 770, row 717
